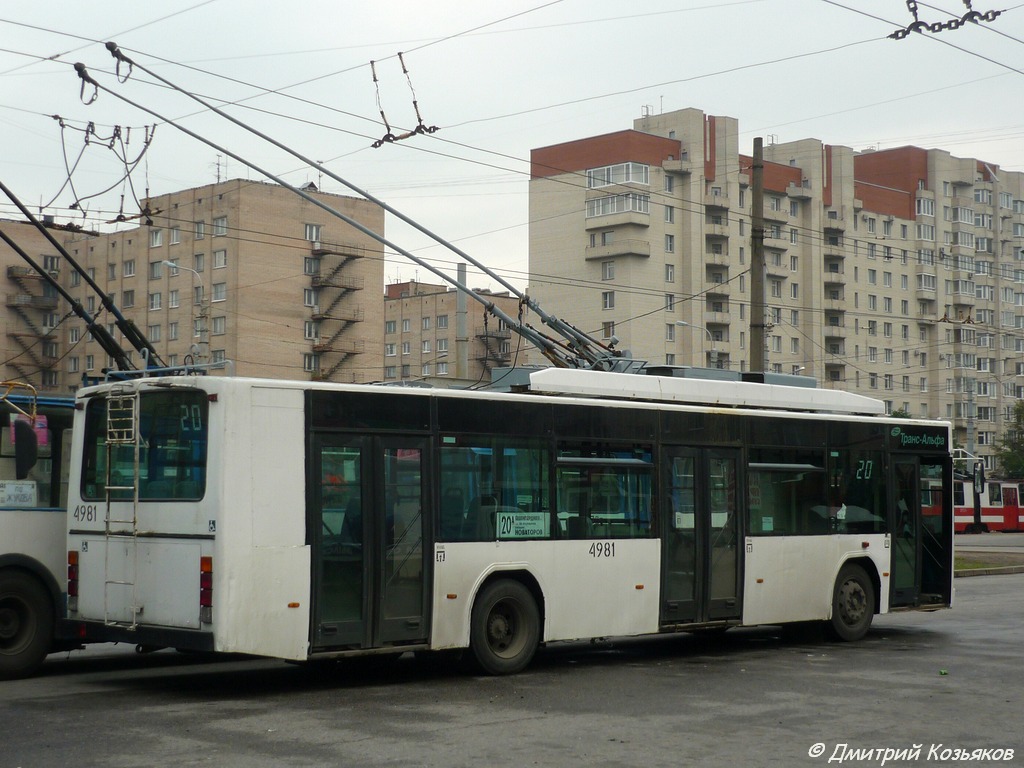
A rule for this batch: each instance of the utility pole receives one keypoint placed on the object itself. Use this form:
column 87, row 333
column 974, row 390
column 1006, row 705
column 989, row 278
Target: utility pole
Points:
column 758, row 311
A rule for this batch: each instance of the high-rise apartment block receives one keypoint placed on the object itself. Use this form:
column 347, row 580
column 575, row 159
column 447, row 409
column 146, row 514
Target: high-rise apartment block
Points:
column 898, row 274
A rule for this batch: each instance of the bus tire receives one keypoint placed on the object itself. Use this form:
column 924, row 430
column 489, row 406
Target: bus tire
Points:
column 505, row 628
column 26, row 624
column 853, row 604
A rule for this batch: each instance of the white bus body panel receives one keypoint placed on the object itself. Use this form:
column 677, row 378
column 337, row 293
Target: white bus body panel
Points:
column 622, row 591
column 150, row 581
column 38, row 534
column 262, row 530
column 791, row 578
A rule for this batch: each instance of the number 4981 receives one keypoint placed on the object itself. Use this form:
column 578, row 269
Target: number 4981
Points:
column 602, row 549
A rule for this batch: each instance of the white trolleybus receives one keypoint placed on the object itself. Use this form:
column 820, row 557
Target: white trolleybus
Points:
column 301, row 520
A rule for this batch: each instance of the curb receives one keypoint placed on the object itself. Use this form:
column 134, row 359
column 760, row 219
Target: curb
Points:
column 996, row 571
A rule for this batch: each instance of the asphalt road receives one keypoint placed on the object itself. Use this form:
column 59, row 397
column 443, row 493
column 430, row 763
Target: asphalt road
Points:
column 749, row 698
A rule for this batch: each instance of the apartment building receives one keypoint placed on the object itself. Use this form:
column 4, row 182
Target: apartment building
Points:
column 897, row 274
column 434, row 334
column 242, row 271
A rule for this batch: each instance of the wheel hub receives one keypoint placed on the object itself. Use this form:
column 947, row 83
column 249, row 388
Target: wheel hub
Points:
column 10, row 624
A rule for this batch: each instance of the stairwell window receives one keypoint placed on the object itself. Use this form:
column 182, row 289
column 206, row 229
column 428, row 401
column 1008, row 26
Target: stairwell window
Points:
column 608, row 300
column 220, row 259
column 220, row 226
column 156, row 238
column 128, row 299
column 313, row 232
column 155, row 300
column 310, row 362
column 219, row 326
column 220, row 291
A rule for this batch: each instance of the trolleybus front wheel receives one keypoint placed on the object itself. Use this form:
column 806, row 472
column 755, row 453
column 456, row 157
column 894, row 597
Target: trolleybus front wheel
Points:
column 853, row 604
column 26, row 624
column 505, row 628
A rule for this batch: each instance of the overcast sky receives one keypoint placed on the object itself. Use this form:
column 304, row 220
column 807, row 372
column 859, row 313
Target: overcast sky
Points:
column 497, row 79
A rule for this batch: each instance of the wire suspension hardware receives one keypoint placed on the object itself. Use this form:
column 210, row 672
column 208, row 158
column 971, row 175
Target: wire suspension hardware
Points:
column 389, row 137
column 576, row 349
column 971, row 17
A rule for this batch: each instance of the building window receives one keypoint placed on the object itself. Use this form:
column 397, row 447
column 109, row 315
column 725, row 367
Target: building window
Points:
column 220, row 291
column 128, row 299
column 670, row 302
column 608, row 329
column 670, row 273
column 425, row 346
column 220, row 226
column 172, row 299
column 311, row 265
column 629, row 202
column 200, row 231
column 442, row 369
column 442, row 345
column 313, row 232
column 310, row 362
column 607, row 270
column 172, row 331
column 155, row 270
column 154, row 300
column 198, row 262
column 111, row 271
column 670, row 331
column 220, row 355
column 425, row 323
column 390, row 326
column 406, row 325
column 390, row 350
column 156, row 238
column 621, row 173
column 175, row 235
column 153, row 332
column 608, row 300
column 670, row 214
column 442, row 322
column 220, row 259
column 219, row 326
column 670, row 243
column 309, row 296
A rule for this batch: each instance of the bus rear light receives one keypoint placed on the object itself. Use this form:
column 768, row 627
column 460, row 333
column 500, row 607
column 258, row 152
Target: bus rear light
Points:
column 206, row 590
column 72, row 580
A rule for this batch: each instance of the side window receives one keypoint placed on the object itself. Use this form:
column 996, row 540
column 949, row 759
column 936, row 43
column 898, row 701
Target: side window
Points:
column 492, row 489
column 604, row 493
column 787, row 493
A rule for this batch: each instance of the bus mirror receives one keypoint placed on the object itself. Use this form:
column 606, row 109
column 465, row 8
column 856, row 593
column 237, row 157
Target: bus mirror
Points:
column 979, row 477
column 25, row 448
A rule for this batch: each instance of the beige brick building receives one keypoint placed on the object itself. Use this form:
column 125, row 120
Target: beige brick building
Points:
column 897, row 274
column 423, row 340
column 262, row 278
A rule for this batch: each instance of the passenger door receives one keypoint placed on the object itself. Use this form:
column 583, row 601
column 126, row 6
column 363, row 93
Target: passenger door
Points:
column 368, row 524
column 700, row 536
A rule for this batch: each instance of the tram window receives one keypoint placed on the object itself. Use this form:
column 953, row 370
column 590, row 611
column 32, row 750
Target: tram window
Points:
column 995, row 494
column 958, row 494
column 493, row 489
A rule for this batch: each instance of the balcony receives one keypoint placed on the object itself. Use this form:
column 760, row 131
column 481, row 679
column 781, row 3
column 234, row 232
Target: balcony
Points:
column 614, row 249
column 799, row 191
column 835, row 332
column 833, row 279
column 20, row 273
column 683, row 165
column 716, row 201
column 836, row 223
column 619, row 219
column 716, row 318
column 348, row 347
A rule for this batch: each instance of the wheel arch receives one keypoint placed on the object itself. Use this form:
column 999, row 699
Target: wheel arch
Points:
column 524, row 577
column 869, row 567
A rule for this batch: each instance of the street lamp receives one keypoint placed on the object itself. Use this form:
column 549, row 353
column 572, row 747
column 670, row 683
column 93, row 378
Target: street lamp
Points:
column 204, row 343
column 714, row 352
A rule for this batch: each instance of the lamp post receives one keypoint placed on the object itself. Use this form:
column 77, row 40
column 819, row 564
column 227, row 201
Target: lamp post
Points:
column 202, row 352
column 714, row 352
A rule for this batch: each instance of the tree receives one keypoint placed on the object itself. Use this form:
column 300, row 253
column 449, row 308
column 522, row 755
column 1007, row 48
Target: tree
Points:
column 1010, row 450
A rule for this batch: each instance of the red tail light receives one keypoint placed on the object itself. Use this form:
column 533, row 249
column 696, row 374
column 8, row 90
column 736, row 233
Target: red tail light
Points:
column 206, row 584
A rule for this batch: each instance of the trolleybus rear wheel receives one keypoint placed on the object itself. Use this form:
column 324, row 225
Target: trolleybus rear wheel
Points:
column 505, row 628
